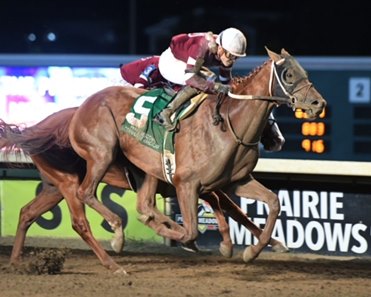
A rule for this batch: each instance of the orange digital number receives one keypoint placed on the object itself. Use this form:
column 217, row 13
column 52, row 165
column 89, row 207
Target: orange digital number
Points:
column 306, row 144
column 315, row 146
column 313, row 129
column 299, row 114
column 318, row 146
column 323, row 113
column 321, row 129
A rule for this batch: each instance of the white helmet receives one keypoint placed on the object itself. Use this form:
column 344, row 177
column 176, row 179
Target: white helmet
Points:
column 233, row 41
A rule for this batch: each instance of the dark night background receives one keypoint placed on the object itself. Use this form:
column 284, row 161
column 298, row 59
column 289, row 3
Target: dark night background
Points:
column 311, row 28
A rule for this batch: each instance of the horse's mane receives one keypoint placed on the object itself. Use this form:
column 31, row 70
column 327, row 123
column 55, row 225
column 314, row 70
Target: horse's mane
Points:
column 239, row 82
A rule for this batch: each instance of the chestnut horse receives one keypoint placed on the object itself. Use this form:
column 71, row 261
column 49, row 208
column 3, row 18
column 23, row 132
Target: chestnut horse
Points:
column 61, row 170
column 208, row 157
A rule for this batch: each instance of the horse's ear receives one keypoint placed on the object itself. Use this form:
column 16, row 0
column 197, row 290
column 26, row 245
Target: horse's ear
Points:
column 285, row 53
column 275, row 57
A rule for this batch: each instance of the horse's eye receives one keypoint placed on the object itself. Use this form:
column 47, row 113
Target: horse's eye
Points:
column 287, row 77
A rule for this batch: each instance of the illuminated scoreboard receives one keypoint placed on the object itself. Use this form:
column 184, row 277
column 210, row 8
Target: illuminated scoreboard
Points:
column 303, row 135
column 343, row 130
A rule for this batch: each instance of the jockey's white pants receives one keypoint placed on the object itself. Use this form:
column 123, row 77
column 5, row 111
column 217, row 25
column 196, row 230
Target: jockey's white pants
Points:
column 173, row 69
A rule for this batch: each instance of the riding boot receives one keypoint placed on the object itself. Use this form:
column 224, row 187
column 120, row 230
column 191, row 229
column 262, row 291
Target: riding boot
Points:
column 164, row 116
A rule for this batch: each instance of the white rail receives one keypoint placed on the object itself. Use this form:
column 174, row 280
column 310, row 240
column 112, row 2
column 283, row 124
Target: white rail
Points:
column 321, row 167
column 290, row 166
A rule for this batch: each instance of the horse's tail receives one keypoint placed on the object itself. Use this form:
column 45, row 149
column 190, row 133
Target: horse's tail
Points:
column 10, row 139
column 49, row 133
column 6, row 132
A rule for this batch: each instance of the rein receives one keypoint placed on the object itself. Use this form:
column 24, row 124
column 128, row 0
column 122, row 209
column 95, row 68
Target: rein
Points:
column 256, row 97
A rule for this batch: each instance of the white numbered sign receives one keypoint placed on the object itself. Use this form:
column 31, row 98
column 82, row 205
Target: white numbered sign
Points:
column 359, row 90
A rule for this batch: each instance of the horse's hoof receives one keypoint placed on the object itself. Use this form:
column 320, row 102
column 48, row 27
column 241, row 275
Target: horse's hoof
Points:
column 15, row 262
column 280, row 248
column 248, row 255
column 120, row 270
column 117, row 242
column 117, row 246
column 190, row 247
column 145, row 218
column 226, row 250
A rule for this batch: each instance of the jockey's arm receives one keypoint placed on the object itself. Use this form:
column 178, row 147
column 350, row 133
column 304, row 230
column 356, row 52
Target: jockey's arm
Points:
column 198, row 79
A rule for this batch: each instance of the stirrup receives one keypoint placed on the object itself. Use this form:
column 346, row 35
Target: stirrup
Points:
column 161, row 120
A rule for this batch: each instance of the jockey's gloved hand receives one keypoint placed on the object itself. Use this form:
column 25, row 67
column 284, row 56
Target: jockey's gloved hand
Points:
column 220, row 88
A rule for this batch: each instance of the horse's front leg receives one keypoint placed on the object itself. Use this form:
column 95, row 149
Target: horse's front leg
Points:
column 188, row 200
column 215, row 200
column 151, row 216
column 255, row 190
column 146, row 205
column 235, row 212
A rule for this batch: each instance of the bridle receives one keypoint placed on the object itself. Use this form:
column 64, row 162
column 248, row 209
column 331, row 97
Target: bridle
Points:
column 290, row 99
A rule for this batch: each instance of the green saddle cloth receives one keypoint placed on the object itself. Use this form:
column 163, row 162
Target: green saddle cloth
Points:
column 139, row 121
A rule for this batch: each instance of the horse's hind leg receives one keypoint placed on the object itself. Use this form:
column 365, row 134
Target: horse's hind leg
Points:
column 86, row 194
column 44, row 201
column 99, row 150
column 81, row 225
column 239, row 216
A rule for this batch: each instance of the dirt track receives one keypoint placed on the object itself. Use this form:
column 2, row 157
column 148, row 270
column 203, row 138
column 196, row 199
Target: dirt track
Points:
column 165, row 271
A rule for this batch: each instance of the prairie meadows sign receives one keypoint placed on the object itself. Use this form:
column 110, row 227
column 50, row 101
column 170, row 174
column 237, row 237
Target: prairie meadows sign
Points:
column 310, row 221
column 323, row 222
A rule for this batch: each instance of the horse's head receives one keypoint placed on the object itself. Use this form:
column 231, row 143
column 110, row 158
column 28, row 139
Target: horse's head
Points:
column 291, row 81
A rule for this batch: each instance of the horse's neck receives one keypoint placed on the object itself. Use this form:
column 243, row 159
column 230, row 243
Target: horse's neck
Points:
column 249, row 117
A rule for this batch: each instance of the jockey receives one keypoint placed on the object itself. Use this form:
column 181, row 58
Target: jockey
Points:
column 144, row 73
column 184, row 63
